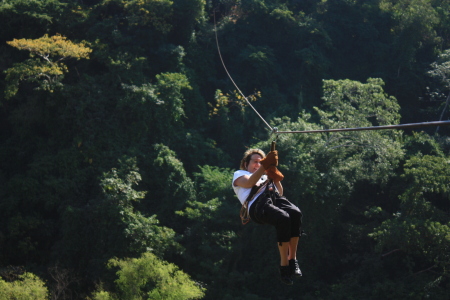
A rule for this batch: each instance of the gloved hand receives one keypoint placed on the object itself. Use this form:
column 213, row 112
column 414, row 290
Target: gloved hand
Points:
column 270, row 160
column 274, row 174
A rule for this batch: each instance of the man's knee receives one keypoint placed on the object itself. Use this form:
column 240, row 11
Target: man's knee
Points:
column 298, row 213
column 283, row 219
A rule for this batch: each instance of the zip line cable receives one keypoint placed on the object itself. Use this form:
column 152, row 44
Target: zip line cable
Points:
column 226, row 70
column 274, row 130
column 409, row 125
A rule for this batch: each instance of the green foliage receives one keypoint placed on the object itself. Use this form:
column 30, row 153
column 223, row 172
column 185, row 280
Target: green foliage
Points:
column 375, row 203
column 255, row 6
column 110, row 225
column 142, row 233
column 420, row 230
column 169, row 87
column 440, row 69
column 414, row 26
column 261, row 61
column 38, row 15
column 442, row 10
column 213, row 181
column 56, row 46
column 156, row 13
column 213, row 192
column 172, row 188
column 421, row 143
column 117, row 184
column 412, row 13
column 148, row 277
column 283, row 13
column 353, row 104
column 429, row 174
column 188, row 15
column 27, row 287
column 32, row 70
column 211, row 239
column 144, row 106
column 48, row 70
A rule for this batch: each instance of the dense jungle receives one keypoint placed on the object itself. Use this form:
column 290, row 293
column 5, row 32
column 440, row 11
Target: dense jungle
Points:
column 120, row 131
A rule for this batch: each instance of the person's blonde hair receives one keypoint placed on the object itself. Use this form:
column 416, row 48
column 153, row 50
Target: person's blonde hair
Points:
column 248, row 155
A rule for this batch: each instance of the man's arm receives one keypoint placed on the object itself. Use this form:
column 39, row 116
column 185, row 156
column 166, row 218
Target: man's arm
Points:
column 249, row 181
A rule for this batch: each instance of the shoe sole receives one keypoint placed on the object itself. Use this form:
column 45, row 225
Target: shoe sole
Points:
column 287, row 283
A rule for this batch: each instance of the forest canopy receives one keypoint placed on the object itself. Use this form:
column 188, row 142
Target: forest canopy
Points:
column 120, row 131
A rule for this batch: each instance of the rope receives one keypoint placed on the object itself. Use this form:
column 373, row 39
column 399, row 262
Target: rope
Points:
column 410, row 125
column 274, row 130
column 223, row 64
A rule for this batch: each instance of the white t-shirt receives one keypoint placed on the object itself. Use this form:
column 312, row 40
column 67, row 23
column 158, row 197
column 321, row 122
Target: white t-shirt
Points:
column 241, row 192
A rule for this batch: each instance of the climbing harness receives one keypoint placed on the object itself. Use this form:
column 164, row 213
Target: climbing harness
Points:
column 266, row 186
column 244, row 213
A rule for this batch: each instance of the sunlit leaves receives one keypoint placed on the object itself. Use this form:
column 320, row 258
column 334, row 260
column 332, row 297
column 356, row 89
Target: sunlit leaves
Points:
column 366, row 154
column 169, row 88
column 430, row 174
column 213, row 181
column 415, row 236
column 420, row 143
column 148, row 277
column 33, row 70
column 412, row 13
column 226, row 101
column 283, row 13
column 355, row 104
column 428, row 179
column 213, row 184
column 117, row 184
column 145, row 233
column 199, row 211
column 27, row 287
column 48, row 70
column 57, row 47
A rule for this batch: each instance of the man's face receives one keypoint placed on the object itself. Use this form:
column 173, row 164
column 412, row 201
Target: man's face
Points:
column 254, row 163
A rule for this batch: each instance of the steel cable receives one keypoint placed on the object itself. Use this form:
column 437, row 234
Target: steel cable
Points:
column 274, row 130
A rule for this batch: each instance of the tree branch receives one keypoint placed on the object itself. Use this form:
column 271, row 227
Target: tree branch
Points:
column 429, row 269
column 390, row 252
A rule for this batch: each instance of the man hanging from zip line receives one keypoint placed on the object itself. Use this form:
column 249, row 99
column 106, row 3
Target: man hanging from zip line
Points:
column 263, row 202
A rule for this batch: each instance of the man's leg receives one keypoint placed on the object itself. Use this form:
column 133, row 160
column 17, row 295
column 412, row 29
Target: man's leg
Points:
column 270, row 214
column 293, row 242
column 285, row 269
column 284, row 252
column 292, row 257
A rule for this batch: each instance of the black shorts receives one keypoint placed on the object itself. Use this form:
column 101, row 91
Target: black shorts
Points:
column 269, row 208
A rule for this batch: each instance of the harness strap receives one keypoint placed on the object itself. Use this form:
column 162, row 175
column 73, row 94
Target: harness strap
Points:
column 244, row 213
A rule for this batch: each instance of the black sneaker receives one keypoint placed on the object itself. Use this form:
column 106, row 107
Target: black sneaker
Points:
column 285, row 275
column 294, row 268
